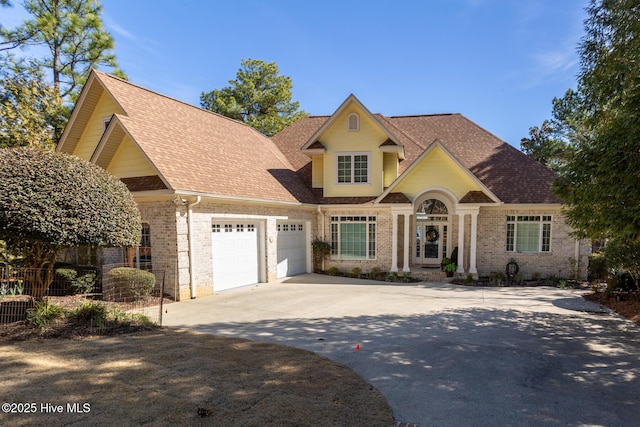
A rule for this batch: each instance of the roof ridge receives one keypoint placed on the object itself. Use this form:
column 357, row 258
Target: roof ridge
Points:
column 487, row 131
column 424, row 115
column 121, row 80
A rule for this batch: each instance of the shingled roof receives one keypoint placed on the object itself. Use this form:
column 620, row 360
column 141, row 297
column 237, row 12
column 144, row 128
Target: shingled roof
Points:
column 199, row 151
column 508, row 173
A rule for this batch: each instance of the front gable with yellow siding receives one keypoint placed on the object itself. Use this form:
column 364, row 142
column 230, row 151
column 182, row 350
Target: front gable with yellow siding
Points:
column 351, row 135
column 129, row 162
column 102, row 113
column 96, row 133
column 436, row 169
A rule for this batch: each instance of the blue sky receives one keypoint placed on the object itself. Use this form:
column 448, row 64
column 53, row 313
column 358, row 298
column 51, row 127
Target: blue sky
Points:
column 498, row 62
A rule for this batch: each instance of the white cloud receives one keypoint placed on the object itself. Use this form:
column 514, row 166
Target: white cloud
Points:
column 555, row 62
column 116, row 28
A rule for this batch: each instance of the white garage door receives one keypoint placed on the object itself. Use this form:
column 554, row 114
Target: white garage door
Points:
column 292, row 249
column 235, row 254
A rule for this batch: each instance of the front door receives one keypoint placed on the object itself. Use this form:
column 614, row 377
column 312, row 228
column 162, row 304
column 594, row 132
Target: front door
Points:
column 429, row 245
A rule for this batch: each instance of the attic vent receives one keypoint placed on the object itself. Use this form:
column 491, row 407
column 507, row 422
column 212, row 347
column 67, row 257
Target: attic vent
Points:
column 354, row 122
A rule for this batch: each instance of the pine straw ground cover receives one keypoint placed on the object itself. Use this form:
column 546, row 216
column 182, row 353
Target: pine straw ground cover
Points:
column 164, row 377
column 626, row 305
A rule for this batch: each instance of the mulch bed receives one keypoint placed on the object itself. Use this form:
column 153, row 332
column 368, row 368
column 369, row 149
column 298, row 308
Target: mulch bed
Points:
column 625, row 304
column 67, row 329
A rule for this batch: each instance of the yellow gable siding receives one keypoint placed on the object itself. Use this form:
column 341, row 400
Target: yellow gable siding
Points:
column 105, row 108
column 437, row 169
column 316, row 172
column 129, row 162
column 338, row 139
column 390, row 168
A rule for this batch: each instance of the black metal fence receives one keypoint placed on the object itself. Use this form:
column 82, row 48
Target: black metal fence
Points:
column 127, row 294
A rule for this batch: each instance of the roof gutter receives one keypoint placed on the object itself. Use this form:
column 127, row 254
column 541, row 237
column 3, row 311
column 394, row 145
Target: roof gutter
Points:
column 192, row 283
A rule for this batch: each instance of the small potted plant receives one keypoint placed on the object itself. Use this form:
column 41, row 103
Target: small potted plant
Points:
column 450, row 269
column 445, row 261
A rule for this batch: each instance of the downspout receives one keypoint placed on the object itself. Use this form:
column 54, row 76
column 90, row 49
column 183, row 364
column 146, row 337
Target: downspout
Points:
column 192, row 284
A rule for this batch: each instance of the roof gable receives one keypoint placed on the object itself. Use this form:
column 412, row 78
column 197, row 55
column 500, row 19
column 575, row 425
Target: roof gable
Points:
column 338, row 120
column 194, row 150
column 439, row 168
column 504, row 171
column 86, row 125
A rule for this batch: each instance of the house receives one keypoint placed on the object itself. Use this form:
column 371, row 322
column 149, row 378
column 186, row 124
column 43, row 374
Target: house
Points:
column 224, row 206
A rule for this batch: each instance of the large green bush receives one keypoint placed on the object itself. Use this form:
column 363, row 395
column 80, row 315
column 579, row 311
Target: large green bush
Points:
column 126, row 284
column 51, row 200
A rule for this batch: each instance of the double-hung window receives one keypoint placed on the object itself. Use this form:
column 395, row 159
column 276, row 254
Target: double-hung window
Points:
column 353, row 237
column 352, row 168
column 529, row 233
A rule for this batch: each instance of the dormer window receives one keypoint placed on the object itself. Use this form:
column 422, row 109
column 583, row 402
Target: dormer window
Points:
column 353, row 122
column 353, row 168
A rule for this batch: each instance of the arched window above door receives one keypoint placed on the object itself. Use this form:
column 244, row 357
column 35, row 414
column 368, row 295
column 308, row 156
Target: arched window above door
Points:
column 432, row 207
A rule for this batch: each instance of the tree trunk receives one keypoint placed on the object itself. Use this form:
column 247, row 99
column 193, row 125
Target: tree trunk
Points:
column 39, row 262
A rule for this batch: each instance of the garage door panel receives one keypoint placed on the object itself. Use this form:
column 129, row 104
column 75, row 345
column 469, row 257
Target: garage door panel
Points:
column 235, row 255
column 292, row 250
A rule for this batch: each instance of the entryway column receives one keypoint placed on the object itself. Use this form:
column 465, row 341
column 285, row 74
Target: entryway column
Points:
column 460, row 268
column 474, row 239
column 394, row 242
column 407, row 254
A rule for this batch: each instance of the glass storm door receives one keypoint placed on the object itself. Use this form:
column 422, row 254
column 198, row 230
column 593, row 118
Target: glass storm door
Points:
column 428, row 250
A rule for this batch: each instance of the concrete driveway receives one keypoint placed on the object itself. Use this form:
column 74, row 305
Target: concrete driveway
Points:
column 447, row 355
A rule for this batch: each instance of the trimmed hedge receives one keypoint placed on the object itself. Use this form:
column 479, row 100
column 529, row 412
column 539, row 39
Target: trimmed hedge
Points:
column 129, row 284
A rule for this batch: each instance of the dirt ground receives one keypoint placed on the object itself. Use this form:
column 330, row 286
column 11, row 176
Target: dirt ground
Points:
column 165, row 377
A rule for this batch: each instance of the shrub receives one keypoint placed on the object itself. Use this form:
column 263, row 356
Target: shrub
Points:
column 84, row 284
column 356, row 272
column 130, row 283
column 44, row 313
column 597, row 267
column 392, row 277
column 79, row 280
column 320, row 251
column 451, row 268
column 469, row 278
column 454, row 256
column 90, row 312
column 375, row 273
column 619, row 282
column 333, row 271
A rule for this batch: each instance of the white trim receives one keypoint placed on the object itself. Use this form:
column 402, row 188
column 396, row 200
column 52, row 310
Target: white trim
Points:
column 76, row 109
column 394, row 242
column 407, row 254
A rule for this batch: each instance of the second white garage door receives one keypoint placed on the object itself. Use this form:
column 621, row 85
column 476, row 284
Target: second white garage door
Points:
column 235, row 255
column 292, row 249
